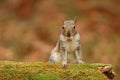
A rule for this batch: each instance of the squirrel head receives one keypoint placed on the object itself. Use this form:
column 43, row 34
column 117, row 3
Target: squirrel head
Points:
column 69, row 29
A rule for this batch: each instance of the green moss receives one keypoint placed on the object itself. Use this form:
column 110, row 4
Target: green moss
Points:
column 44, row 71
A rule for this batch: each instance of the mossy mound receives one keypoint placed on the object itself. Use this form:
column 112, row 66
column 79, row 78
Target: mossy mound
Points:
column 45, row 71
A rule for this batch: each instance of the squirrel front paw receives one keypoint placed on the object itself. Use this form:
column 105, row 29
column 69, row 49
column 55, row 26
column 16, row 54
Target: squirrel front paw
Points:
column 80, row 62
column 64, row 64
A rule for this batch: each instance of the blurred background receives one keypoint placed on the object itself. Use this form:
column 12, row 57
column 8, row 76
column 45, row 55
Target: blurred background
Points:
column 29, row 29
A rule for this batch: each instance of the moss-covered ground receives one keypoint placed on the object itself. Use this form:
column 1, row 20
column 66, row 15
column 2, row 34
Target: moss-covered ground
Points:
column 10, row 70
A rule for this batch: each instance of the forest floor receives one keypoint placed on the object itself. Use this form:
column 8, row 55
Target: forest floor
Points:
column 10, row 70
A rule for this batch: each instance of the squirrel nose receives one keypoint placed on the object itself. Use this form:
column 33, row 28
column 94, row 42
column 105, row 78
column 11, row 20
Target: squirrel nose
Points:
column 68, row 34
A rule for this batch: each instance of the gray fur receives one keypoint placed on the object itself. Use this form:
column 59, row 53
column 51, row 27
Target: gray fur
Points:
column 67, row 51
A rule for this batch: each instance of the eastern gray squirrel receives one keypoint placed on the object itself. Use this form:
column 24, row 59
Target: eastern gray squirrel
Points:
column 68, row 47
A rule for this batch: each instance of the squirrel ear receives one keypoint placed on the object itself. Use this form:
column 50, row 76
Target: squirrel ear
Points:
column 62, row 20
column 75, row 20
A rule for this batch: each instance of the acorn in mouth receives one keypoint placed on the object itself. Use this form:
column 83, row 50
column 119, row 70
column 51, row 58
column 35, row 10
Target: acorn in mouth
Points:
column 69, row 39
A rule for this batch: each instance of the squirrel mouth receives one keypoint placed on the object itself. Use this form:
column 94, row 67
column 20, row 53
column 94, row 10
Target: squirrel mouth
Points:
column 69, row 39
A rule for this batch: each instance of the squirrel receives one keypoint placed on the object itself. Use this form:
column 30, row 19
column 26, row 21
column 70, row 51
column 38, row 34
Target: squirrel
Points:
column 68, row 47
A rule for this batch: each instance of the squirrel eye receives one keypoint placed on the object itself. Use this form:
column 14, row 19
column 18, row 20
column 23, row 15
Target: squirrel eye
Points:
column 74, row 27
column 63, row 28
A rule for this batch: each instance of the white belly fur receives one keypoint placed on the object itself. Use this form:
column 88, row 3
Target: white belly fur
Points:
column 71, row 52
column 71, row 58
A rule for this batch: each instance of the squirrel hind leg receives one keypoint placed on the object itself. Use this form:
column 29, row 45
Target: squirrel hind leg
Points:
column 55, row 57
column 50, row 59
